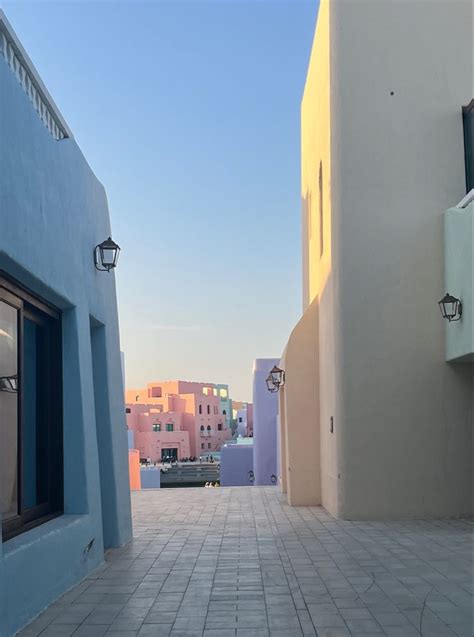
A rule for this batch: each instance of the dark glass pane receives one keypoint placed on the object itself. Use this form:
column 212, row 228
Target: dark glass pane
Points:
column 8, row 411
column 35, row 417
column 468, row 119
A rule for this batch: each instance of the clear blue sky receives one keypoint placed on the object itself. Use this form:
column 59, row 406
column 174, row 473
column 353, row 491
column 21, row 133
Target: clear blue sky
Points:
column 189, row 114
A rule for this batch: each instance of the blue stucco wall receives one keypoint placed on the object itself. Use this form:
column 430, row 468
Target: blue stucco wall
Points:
column 150, row 477
column 53, row 211
column 236, row 462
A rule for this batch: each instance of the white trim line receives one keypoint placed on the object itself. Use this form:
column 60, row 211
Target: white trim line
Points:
column 32, row 80
column 465, row 201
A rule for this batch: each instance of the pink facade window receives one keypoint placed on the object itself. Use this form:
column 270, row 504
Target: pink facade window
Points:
column 157, row 426
column 219, row 426
column 169, row 426
column 209, row 427
column 208, row 445
column 200, row 409
column 208, row 409
column 202, row 427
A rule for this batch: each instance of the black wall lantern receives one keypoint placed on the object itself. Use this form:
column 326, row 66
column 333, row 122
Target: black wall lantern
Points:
column 106, row 255
column 275, row 379
column 9, row 384
column 451, row 307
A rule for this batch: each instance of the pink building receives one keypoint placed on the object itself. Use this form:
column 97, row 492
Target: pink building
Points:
column 177, row 419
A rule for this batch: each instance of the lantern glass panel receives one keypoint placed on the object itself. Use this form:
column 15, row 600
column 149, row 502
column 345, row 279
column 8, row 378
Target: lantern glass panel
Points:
column 450, row 309
column 108, row 256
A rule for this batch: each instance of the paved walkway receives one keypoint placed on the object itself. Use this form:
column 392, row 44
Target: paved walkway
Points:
column 238, row 562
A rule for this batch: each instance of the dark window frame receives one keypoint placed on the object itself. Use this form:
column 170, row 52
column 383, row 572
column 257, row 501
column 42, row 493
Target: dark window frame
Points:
column 468, row 125
column 33, row 309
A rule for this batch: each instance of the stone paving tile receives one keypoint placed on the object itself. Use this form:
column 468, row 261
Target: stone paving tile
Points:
column 155, row 630
column 238, row 562
column 59, row 630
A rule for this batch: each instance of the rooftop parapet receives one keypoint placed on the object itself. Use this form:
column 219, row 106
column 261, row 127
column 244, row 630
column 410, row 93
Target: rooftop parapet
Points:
column 28, row 78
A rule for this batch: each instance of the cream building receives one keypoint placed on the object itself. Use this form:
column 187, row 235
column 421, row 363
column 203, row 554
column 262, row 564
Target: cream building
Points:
column 374, row 422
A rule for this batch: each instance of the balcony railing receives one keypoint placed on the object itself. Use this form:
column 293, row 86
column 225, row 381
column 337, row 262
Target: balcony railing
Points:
column 29, row 80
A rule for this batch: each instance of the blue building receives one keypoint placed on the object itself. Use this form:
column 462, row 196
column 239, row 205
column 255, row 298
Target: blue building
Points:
column 64, row 495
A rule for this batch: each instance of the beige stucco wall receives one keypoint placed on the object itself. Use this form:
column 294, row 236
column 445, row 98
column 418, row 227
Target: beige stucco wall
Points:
column 381, row 112
column 318, row 263
column 405, row 416
column 316, row 152
column 282, row 436
column 300, row 413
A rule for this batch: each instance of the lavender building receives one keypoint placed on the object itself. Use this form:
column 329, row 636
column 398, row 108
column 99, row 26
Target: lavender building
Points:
column 265, row 412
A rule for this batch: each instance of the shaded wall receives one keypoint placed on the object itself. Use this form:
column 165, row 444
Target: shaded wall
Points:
column 405, row 423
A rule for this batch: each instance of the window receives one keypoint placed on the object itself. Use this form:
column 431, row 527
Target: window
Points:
column 208, row 445
column 202, row 445
column 240, row 419
column 468, row 125
column 307, row 213
column 157, row 426
column 219, row 427
column 169, row 426
column 200, row 409
column 128, row 410
column 209, row 427
column 208, row 409
column 31, row 450
column 202, row 427
column 224, row 412
column 321, row 211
